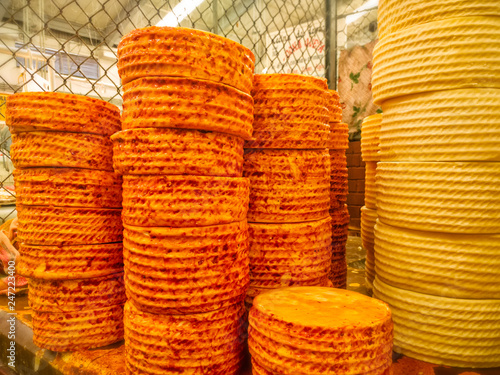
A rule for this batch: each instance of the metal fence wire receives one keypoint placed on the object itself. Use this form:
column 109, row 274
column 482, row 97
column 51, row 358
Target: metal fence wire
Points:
column 70, row 45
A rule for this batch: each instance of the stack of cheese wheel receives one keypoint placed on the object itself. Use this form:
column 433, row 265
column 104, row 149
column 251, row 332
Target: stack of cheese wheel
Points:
column 437, row 240
column 187, row 111
column 69, row 207
column 370, row 140
column 288, row 164
column 315, row 330
column 338, row 144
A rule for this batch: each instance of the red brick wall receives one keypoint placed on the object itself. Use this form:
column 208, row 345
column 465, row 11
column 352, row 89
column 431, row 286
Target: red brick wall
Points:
column 356, row 172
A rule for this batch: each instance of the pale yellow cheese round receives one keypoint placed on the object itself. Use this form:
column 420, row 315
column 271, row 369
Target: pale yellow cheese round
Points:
column 440, row 197
column 393, row 17
column 451, row 125
column 447, row 265
column 368, row 220
column 446, row 331
column 442, row 55
column 371, row 185
column 370, row 137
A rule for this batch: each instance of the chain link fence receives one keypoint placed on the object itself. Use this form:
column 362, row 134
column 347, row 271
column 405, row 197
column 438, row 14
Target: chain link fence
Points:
column 70, row 45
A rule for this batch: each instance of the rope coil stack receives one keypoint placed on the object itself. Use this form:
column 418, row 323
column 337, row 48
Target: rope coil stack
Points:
column 187, row 111
column 69, row 212
column 436, row 75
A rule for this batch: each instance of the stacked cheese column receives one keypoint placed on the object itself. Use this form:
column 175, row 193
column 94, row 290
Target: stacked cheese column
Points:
column 70, row 230
column 437, row 242
column 314, row 330
column 187, row 111
column 288, row 166
column 338, row 144
column 370, row 132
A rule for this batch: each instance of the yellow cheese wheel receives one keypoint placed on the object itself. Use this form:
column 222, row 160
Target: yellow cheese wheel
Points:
column 186, row 270
column 446, row 265
column 291, row 111
column 451, row 125
column 292, row 331
column 440, row 197
column 43, row 225
column 77, row 330
column 442, row 55
column 446, row 331
column 371, row 185
column 187, row 103
column 181, row 52
column 33, row 111
column 393, row 17
column 76, row 295
column 368, row 220
column 177, row 151
column 68, row 187
column 59, row 149
column 287, row 185
column 183, row 201
column 70, row 262
column 207, row 343
column 370, row 137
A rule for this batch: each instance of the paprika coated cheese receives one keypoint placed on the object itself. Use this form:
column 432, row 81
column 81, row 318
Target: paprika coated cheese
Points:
column 181, row 52
column 187, row 103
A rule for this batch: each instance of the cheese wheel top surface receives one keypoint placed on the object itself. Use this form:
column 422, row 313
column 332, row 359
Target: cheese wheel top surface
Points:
column 322, row 307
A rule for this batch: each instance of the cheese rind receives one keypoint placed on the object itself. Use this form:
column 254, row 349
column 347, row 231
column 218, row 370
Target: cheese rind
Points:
column 371, row 185
column 44, row 225
column 70, row 262
column 449, row 197
column 177, row 152
column 68, row 187
column 287, row 185
column 451, row 125
column 183, row 201
column 445, row 331
column 446, row 265
column 392, row 17
column 370, row 137
column 442, row 55
column 54, row 111
column 187, row 103
column 59, row 149
column 176, row 51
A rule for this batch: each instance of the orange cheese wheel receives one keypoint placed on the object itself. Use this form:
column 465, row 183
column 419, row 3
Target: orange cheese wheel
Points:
column 182, row 52
column 287, row 185
column 70, row 262
column 187, row 103
column 297, row 323
column 33, row 111
column 334, row 107
column 339, row 136
column 291, row 111
column 183, row 201
column 186, row 270
column 59, row 149
column 206, row 343
column 77, row 330
column 177, row 151
column 76, row 295
column 40, row 225
column 68, row 187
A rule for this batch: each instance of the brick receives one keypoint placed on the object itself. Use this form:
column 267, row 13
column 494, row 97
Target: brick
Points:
column 360, row 186
column 355, row 160
column 354, row 211
column 356, row 199
column 362, row 163
column 355, row 147
column 356, row 173
column 355, row 225
column 353, row 186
